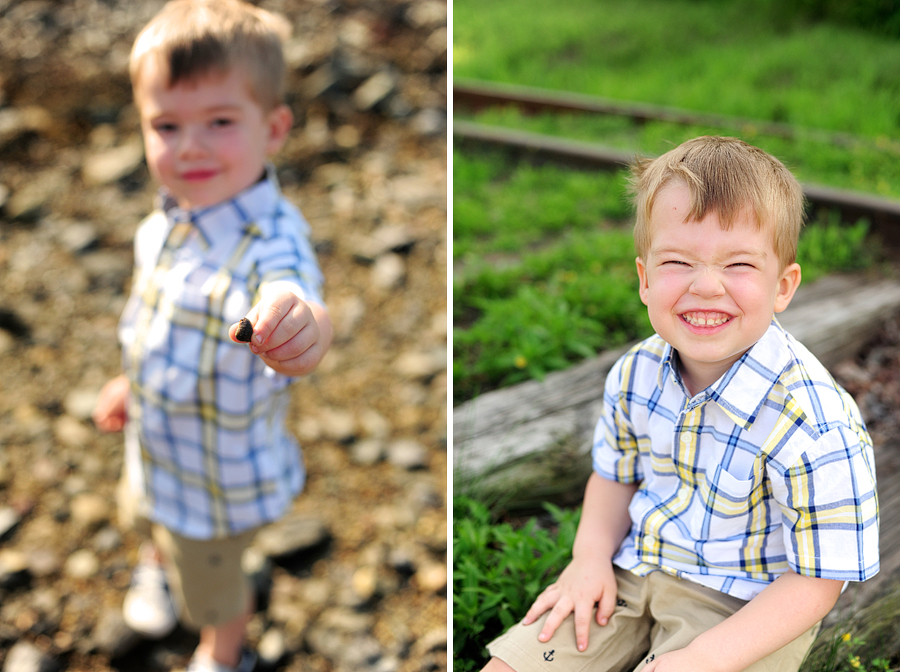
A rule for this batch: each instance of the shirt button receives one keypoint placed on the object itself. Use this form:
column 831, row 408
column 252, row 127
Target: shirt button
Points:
column 685, row 438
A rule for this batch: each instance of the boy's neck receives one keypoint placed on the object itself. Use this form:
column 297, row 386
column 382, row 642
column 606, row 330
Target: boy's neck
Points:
column 266, row 173
column 697, row 378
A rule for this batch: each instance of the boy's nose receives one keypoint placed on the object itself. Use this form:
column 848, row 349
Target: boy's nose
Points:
column 190, row 143
column 707, row 284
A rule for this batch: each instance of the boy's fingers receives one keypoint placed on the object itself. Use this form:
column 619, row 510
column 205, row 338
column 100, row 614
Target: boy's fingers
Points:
column 293, row 343
column 606, row 607
column 267, row 321
column 543, row 602
column 562, row 609
column 582, row 625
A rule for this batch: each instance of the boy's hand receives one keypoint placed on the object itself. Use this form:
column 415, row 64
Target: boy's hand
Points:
column 110, row 412
column 581, row 585
column 675, row 661
column 289, row 334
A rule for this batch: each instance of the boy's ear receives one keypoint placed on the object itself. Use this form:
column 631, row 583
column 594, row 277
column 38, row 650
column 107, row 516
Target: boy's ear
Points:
column 787, row 285
column 642, row 277
column 279, row 120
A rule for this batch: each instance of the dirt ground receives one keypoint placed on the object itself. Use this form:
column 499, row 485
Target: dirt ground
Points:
column 366, row 164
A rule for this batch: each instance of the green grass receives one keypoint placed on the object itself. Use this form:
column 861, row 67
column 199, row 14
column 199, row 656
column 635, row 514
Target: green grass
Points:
column 727, row 57
column 544, row 271
column 498, row 571
column 500, row 567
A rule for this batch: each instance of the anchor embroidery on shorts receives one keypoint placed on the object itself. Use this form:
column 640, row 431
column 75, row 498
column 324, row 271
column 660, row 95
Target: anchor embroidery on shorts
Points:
column 548, row 655
column 650, row 659
column 621, row 603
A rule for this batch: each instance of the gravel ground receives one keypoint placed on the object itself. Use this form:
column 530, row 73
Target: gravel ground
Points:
column 365, row 585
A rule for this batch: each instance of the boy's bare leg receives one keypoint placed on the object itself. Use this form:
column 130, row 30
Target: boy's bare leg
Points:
column 497, row 665
column 223, row 643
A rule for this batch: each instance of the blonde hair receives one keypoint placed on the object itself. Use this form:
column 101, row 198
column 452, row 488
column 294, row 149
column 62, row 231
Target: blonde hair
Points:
column 195, row 38
column 724, row 176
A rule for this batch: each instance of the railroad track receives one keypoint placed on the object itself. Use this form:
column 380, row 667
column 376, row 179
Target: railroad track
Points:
column 882, row 212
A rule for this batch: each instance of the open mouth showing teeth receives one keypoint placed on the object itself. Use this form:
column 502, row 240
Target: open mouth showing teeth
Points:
column 705, row 319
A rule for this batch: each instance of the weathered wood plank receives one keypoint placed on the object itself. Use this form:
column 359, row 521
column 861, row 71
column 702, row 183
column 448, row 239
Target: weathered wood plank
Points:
column 497, row 434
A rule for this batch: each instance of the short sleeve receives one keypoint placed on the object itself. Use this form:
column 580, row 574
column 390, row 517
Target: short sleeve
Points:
column 829, row 508
column 289, row 257
column 615, row 452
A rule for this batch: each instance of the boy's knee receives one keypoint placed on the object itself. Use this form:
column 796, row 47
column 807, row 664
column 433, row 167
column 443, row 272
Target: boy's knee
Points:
column 497, row 665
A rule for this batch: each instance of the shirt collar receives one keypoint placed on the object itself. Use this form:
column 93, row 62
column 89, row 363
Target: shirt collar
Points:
column 256, row 205
column 741, row 390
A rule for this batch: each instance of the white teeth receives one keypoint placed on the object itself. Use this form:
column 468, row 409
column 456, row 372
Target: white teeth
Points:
column 705, row 319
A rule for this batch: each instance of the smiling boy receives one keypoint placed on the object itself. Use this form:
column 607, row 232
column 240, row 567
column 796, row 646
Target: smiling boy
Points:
column 733, row 490
column 208, row 459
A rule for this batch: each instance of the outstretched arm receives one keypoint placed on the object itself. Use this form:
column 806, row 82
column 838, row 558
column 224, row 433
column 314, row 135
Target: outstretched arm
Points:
column 783, row 611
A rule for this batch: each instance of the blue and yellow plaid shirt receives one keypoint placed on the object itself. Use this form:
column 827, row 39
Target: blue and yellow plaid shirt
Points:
column 206, row 445
column 769, row 468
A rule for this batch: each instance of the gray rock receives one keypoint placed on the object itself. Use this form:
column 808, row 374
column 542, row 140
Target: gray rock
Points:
column 337, row 424
column 9, row 519
column 408, row 454
column 292, row 535
column 106, row 540
column 111, row 636
column 387, row 238
column 417, row 364
column 430, row 122
column 80, row 402
column 431, row 577
column 76, row 237
column 89, row 510
column 113, row 164
column 26, row 657
column 15, row 121
column 14, row 569
column 434, row 640
column 43, row 562
column 29, row 202
column 271, row 647
column 388, row 271
column 82, row 564
column 368, row 451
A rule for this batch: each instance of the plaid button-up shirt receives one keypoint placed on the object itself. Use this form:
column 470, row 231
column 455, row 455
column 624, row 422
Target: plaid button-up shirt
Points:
column 206, row 444
column 769, row 468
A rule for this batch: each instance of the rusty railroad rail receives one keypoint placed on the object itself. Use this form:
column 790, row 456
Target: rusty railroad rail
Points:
column 883, row 213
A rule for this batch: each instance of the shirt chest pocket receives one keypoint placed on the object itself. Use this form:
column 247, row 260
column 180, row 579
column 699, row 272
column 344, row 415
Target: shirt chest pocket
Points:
column 727, row 505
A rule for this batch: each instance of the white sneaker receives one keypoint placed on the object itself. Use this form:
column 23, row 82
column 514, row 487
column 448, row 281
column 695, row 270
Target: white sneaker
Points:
column 148, row 608
column 207, row 664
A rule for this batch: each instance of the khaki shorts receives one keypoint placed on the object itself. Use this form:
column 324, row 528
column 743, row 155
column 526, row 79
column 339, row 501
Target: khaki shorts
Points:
column 205, row 577
column 656, row 614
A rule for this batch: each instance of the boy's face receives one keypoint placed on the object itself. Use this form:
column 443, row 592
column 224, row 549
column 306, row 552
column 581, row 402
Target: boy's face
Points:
column 206, row 140
column 710, row 293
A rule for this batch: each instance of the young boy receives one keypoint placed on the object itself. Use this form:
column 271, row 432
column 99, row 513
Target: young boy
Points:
column 208, row 459
column 733, row 490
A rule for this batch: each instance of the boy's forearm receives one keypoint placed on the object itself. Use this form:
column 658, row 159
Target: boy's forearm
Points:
column 786, row 609
column 604, row 517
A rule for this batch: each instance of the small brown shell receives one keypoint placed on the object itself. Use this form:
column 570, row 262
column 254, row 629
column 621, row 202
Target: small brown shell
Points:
column 244, row 330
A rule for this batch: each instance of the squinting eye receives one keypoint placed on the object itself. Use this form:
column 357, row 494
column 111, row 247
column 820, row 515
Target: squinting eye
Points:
column 220, row 123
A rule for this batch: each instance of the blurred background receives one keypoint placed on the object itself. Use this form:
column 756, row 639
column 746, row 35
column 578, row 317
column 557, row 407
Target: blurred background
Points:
column 357, row 579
